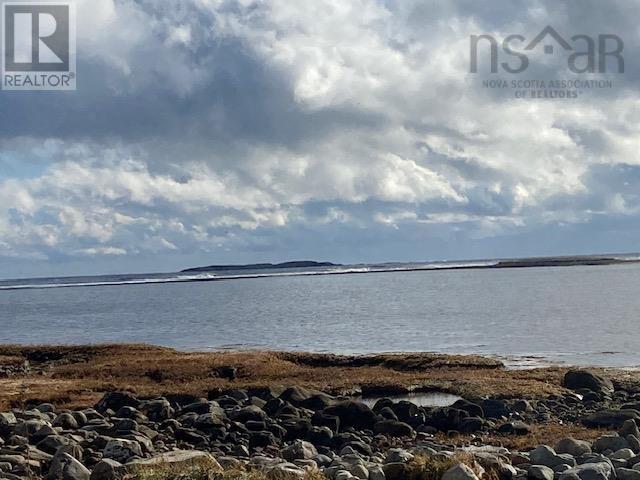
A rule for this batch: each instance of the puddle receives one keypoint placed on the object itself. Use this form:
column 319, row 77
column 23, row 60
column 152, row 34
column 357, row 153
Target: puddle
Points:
column 422, row 399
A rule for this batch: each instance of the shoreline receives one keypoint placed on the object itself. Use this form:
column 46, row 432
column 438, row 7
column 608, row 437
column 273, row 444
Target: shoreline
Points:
column 302, row 416
column 71, row 374
column 542, row 262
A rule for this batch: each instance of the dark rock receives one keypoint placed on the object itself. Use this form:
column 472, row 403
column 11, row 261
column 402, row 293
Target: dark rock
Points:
column 577, row 379
column 66, row 421
column 610, row 418
column 540, row 472
column 446, row 418
column 320, row 436
column 190, row 436
column 262, row 439
column 573, row 447
column 306, row 398
column 382, row 403
column 393, row 428
column 116, row 400
column 495, row 408
column 249, row 413
column 352, row 414
column 395, row 471
column 473, row 409
column 323, row 420
column 629, row 427
column 589, row 471
column 107, row 469
column 296, row 428
column 65, row 467
column 299, row 450
column 408, row 412
column 610, row 442
column 515, row 428
column 51, row 443
column 471, row 424
column 226, row 371
column 544, row 455
column 522, row 406
column 386, row 413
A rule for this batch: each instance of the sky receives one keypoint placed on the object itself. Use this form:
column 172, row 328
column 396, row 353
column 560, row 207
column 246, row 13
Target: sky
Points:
column 238, row 131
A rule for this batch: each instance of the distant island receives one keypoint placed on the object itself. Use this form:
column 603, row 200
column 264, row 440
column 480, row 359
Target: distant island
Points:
column 261, row 266
column 569, row 261
column 560, row 262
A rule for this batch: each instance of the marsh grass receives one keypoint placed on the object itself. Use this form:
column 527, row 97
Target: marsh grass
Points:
column 77, row 376
column 202, row 469
column 426, row 467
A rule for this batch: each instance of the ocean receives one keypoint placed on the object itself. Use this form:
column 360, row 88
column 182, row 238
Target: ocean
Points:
column 580, row 315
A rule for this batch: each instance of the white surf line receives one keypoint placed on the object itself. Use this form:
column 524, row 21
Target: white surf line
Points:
column 215, row 278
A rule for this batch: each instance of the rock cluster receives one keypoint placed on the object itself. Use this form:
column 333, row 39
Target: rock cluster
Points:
column 289, row 432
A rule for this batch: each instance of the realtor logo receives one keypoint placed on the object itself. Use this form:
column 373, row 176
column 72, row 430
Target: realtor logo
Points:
column 38, row 46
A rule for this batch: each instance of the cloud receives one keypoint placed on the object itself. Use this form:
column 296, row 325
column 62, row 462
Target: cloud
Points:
column 232, row 129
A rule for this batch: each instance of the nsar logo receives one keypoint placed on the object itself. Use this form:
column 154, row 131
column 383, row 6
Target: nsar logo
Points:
column 587, row 54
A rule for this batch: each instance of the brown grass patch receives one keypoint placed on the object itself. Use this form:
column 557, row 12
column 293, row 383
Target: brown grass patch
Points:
column 77, row 376
column 424, row 467
column 541, row 434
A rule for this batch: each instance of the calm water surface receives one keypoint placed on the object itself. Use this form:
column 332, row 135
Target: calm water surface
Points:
column 577, row 315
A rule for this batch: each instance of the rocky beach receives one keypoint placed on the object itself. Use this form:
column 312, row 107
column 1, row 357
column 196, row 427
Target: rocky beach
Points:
column 582, row 426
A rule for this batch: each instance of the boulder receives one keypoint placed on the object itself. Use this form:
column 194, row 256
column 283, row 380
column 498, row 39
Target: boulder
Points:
column 107, row 469
column 286, row 471
column 544, row 455
column 515, row 428
column 398, row 455
column 540, row 472
column 586, row 379
column 610, row 418
column 51, row 443
column 66, row 421
column 299, row 450
column 116, row 400
column 446, row 418
column 629, row 427
column 610, row 442
column 397, row 471
column 473, row 409
column 459, row 472
column 627, row 474
column 250, row 412
column 352, row 414
column 622, row 454
column 393, row 428
column 634, row 443
column 573, row 447
column 157, row 410
column 65, row 467
column 122, row 450
column 494, row 408
column 589, row 471
column 307, row 398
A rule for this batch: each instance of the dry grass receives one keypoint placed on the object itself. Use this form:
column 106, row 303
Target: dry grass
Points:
column 541, row 434
column 77, row 376
column 203, row 470
column 197, row 469
column 424, row 467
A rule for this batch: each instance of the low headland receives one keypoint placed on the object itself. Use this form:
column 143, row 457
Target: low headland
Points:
column 529, row 262
column 262, row 266
column 138, row 411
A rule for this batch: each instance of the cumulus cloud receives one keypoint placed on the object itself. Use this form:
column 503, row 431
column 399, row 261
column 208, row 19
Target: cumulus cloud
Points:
column 238, row 129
